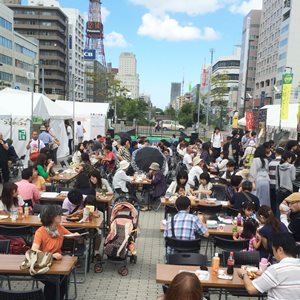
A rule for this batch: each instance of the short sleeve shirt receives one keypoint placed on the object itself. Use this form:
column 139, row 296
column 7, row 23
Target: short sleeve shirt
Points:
column 13, row 208
column 46, row 242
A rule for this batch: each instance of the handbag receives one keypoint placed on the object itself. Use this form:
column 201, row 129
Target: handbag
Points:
column 34, row 155
column 37, row 262
column 54, row 144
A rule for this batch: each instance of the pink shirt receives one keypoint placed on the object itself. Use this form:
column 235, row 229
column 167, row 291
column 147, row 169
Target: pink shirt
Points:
column 28, row 191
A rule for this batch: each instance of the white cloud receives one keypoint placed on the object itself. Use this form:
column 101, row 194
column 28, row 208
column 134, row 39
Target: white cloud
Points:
column 116, row 40
column 190, row 7
column 244, row 7
column 166, row 28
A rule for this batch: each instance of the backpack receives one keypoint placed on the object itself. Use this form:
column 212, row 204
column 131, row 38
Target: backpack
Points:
column 37, row 262
column 17, row 244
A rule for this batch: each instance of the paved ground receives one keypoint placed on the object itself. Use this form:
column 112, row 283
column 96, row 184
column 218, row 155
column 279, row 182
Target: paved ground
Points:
column 140, row 283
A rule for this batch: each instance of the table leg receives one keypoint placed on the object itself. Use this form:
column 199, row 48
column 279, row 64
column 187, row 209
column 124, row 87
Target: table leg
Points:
column 57, row 286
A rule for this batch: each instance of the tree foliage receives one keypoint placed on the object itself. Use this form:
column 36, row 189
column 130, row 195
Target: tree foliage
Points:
column 219, row 89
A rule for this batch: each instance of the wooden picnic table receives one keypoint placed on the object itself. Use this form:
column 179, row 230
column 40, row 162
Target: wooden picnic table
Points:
column 195, row 202
column 10, row 265
column 165, row 274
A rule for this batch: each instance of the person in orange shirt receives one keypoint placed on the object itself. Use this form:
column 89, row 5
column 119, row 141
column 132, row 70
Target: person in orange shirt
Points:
column 49, row 238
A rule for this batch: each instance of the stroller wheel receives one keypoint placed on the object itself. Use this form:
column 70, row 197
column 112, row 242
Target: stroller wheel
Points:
column 98, row 268
column 123, row 271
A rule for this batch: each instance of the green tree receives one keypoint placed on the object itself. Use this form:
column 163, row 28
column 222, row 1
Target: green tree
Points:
column 219, row 83
column 170, row 112
column 186, row 114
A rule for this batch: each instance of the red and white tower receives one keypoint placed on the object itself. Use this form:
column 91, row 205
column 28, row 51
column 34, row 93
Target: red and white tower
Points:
column 94, row 31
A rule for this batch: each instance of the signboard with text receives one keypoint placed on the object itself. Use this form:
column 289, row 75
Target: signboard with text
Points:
column 89, row 54
column 22, row 135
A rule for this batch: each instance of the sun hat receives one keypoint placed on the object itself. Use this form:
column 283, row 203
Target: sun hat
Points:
column 124, row 165
column 196, row 160
column 244, row 173
column 154, row 166
column 252, row 143
column 42, row 128
column 295, row 197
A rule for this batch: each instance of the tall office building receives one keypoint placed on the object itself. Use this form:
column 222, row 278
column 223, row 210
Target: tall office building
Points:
column 76, row 59
column 229, row 65
column 248, row 60
column 49, row 25
column 288, row 52
column 175, row 92
column 128, row 75
column 18, row 55
column 267, row 55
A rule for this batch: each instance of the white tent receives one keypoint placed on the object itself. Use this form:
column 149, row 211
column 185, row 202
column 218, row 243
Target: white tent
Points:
column 92, row 115
column 18, row 104
column 273, row 116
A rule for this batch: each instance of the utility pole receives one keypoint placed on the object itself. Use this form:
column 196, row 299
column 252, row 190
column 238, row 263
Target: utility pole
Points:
column 212, row 52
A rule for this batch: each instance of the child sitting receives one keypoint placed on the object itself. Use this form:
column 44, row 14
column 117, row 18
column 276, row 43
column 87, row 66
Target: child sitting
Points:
column 205, row 188
column 249, row 233
column 180, row 190
column 247, row 210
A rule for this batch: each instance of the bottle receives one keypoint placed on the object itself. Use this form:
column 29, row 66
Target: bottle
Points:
column 239, row 220
column 215, row 264
column 20, row 213
column 26, row 210
column 234, row 226
column 230, row 264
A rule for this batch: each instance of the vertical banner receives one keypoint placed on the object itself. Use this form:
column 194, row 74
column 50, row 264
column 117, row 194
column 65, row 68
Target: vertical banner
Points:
column 249, row 120
column 235, row 120
column 287, row 80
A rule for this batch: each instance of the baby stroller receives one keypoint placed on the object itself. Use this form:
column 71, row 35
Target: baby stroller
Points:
column 120, row 241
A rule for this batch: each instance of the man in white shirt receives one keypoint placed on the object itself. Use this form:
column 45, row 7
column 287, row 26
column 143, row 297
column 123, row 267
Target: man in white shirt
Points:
column 79, row 132
column 195, row 171
column 188, row 159
column 120, row 179
column 35, row 144
column 281, row 280
column 70, row 138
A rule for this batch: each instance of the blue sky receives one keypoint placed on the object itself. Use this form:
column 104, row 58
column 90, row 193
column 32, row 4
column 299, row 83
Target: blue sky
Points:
column 170, row 38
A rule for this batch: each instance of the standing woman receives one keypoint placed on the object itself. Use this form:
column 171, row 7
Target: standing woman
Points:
column 259, row 172
column 49, row 238
column 285, row 175
column 217, row 142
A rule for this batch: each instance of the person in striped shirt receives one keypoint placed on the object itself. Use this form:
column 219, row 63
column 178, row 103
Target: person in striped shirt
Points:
column 282, row 280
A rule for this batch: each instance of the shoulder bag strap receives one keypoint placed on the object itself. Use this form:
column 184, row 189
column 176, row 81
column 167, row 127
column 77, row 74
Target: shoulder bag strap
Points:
column 172, row 228
column 247, row 196
column 278, row 175
column 75, row 209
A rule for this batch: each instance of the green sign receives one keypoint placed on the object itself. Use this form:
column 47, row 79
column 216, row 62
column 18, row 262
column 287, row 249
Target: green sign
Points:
column 37, row 121
column 22, row 135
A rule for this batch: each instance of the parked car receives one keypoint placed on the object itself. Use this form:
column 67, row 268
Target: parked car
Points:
column 172, row 125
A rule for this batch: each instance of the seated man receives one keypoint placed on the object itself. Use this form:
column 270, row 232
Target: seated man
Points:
column 27, row 190
column 245, row 195
column 186, row 225
column 290, row 215
column 73, row 202
column 281, row 280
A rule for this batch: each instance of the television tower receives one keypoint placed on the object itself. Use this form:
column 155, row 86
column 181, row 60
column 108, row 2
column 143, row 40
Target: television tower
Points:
column 94, row 31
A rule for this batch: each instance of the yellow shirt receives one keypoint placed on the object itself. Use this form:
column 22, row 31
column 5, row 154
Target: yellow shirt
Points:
column 39, row 182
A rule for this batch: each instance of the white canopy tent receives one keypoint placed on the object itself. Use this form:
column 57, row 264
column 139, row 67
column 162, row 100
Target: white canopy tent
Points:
column 18, row 104
column 273, row 116
column 92, row 116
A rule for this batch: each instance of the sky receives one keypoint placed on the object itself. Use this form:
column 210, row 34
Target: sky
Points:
column 170, row 38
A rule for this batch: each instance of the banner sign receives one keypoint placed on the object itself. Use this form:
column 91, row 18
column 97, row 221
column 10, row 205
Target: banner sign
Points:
column 287, row 80
column 89, row 54
column 97, row 124
column 37, row 120
column 249, row 120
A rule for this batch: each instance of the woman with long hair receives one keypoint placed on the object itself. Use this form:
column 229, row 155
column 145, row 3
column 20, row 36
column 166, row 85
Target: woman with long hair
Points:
column 270, row 226
column 181, row 179
column 76, row 159
column 100, row 184
column 44, row 166
column 10, row 199
column 259, row 173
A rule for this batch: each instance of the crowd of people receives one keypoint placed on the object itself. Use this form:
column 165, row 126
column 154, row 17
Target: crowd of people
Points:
column 261, row 183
